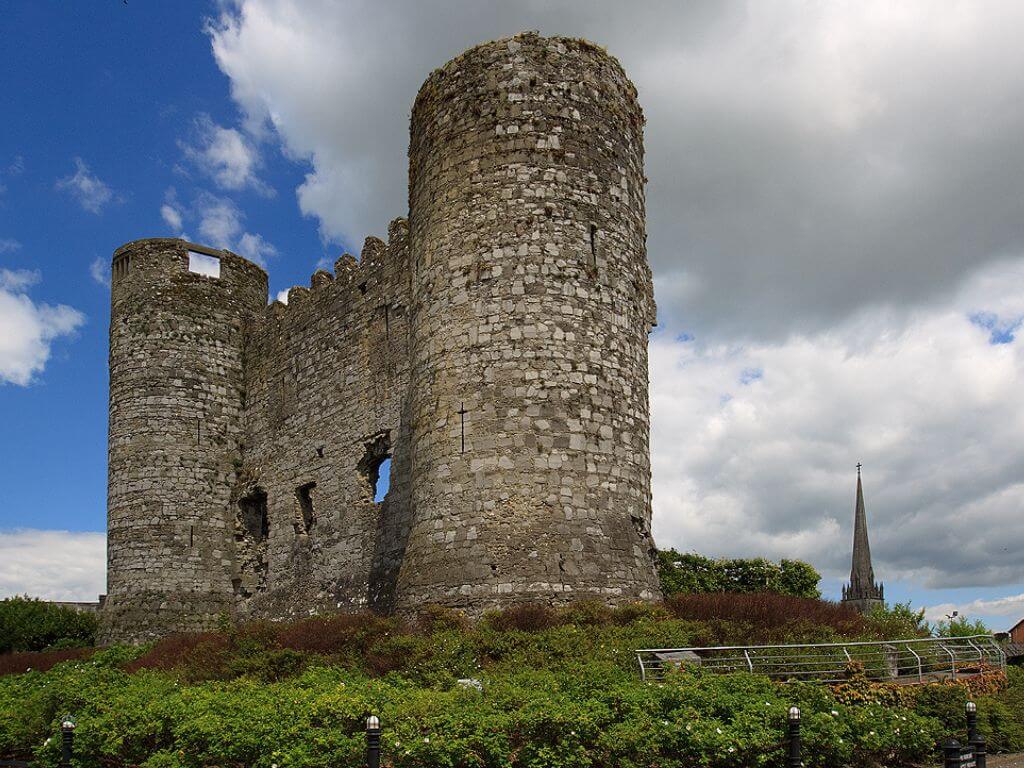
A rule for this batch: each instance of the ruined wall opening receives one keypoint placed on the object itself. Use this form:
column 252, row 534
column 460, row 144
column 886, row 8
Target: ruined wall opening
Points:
column 252, row 527
column 306, row 518
column 380, row 488
column 375, row 467
column 254, row 524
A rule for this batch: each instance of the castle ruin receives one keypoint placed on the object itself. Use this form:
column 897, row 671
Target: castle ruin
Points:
column 495, row 348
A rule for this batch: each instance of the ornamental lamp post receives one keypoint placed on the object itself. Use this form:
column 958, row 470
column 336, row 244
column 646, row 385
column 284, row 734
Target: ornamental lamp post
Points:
column 975, row 739
column 795, row 758
column 372, row 742
column 67, row 740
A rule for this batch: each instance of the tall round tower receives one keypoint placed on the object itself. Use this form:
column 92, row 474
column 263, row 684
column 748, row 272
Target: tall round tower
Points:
column 532, row 303
column 179, row 315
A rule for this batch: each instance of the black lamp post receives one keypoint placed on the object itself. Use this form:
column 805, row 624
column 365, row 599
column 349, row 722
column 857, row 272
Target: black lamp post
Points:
column 372, row 742
column 795, row 758
column 975, row 739
column 67, row 740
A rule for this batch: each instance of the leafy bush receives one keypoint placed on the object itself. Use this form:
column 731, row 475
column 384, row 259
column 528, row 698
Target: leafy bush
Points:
column 694, row 574
column 960, row 626
column 559, row 688
column 28, row 624
column 899, row 620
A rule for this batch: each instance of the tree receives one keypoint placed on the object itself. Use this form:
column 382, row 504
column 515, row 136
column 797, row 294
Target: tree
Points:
column 691, row 573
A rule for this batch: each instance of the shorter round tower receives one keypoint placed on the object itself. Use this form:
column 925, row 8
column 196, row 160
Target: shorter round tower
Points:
column 179, row 317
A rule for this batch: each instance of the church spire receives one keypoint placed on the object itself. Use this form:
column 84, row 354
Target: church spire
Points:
column 862, row 593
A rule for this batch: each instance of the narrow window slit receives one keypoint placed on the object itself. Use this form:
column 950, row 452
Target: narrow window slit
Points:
column 592, row 260
column 307, row 512
column 462, row 424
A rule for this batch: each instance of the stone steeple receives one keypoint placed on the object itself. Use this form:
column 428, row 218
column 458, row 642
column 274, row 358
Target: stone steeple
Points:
column 862, row 593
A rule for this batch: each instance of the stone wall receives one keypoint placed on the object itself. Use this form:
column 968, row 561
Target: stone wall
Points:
column 326, row 379
column 495, row 347
column 532, row 303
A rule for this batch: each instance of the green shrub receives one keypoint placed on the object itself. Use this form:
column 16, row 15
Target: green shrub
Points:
column 594, row 715
column 560, row 689
column 899, row 620
column 28, row 624
column 691, row 573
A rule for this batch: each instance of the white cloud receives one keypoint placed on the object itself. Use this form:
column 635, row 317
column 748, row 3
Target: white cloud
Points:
column 255, row 248
column 18, row 279
column 7, row 245
column 1011, row 606
column 764, row 464
column 171, row 216
column 29, row 329
column 221, row 226
column 225, row 155
column 804, row 159
column 220, row 220
column 90, row 192
column 282, row 296
column 99, row 270
column 53, row 565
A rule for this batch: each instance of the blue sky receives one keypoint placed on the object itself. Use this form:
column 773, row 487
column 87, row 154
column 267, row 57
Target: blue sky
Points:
column 838, row 252
column 118, row 87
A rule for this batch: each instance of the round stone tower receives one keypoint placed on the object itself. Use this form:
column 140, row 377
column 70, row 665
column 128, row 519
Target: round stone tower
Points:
column 532, row 303
column 179, row 315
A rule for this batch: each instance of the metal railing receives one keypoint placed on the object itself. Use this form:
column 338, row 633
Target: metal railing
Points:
column 919, row 660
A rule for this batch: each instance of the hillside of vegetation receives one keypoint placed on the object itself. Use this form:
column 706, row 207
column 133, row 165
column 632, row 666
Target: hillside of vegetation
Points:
column 552, row 688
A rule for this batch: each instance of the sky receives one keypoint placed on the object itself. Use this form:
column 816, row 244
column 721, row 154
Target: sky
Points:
column 835, row 220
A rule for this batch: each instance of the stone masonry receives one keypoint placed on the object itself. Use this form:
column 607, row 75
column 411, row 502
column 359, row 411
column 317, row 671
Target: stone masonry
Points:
column 495, row 348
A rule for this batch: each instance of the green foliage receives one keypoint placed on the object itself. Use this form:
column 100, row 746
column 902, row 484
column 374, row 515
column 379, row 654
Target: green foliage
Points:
column 560, row 690
column 960, row 626
column 692, row 574
column 588, row 714
column 28, row 624
column 899, row 620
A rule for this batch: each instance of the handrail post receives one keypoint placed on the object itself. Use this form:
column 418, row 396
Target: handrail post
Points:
column 920, row 669
column 952, row 657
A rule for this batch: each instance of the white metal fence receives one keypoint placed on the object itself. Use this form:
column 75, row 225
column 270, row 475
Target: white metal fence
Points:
column 913, row 661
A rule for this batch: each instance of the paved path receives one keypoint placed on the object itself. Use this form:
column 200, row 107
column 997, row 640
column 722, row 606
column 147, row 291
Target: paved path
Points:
column 1005, row 761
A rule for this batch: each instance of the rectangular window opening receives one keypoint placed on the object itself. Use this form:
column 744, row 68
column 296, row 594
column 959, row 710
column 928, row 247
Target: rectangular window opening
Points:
column 201, row 264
